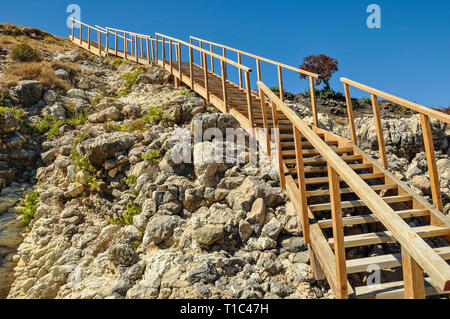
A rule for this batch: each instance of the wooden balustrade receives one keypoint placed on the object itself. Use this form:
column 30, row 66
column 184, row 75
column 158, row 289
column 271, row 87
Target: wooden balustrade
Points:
column 327, row 255
column 279, row 66
column 424, row 113
column 419, row 256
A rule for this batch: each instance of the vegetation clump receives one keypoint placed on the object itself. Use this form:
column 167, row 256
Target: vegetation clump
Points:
column 25, row 53
column 84, row 165
column 28, row 207
column 152, row 156
column 132, row 209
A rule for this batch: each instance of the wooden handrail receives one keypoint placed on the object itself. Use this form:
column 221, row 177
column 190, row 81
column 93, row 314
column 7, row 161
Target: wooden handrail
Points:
column 89, row 26
column 408, row 104
column 238, row 65
column 259, row 58
column 434, row 265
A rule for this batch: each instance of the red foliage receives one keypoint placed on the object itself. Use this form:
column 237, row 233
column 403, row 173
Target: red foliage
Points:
column 321, row 64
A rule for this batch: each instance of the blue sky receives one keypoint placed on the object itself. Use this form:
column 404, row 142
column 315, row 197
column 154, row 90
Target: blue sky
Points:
column 408, row 56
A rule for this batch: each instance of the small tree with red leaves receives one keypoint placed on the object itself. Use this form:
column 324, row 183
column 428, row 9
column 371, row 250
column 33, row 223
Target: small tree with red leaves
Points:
column 322, row 65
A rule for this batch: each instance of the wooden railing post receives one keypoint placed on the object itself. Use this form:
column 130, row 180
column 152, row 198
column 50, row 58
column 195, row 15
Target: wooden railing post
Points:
column 153, row 49
column 212, row 58
column 171, row 56
column 156, row 48
column 338, row 234
column 179, row 62
column 142, row 47
column 379, row 126
column 431, row 161
column 136, row 48
column 351, row 117
column 107, row 42
column 413, row 282
column 205, row 72
column 73, row 30
column 265, row 120
column 200, row 44
column 278, row 146
column 116, row 43
column 148, row 50
column 240, row 71
column 125, row 45
column 224, row 54
column 280, row 83
column 164, row 51
column 258, row 69
column 99, row 40
column 224, row 86
column 81, row 33
column 301, row 185
column 191, row 66
column 249, row 100
column 89, row 38
column 313, row 101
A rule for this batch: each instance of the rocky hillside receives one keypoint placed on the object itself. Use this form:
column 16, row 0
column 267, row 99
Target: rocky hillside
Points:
column 93, row 205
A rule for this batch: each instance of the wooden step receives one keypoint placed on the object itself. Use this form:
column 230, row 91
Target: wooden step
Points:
column 386, row 261
column 307, row 145
column 317, row 170
column 324, row 180
column 386, row 236
column 393, row 290
column 360, row 203
column 337, row 150
column 371, row 218
column 326, row 192
column 320, row 161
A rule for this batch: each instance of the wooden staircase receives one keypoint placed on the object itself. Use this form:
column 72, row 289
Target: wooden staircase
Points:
column 346, row 201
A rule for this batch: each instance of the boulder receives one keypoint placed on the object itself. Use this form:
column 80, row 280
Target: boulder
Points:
column 27, row 92
column 109, row 114
column 50, row 96
column 207, row 235
column 251, row 189
column 422, row 182
column 56, row 111
column 159, row 229
column 62, row 74
column 97, row 150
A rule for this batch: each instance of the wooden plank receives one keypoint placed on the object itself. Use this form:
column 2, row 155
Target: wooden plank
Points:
column 371, row 218
column 341, row 150
column 386, row 261
column 308, row 144
column 412, row 278
column 249, row 100
column 313, row 101
column 379, row 127
column 326, row 192
column 278, row 147
column 280, row 83
column 338, row 234
column 302, row 187
column 384, row 237
column 360, row 203
column 320, row 161
column 351, row 117
column 431, row 161
column 323, row 169
column 323, row 180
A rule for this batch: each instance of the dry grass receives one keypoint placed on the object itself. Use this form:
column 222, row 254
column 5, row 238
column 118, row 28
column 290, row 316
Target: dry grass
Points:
column 39, row 71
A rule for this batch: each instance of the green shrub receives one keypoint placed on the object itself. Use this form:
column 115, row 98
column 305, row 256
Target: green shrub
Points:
column 152, row 156
column 24, row 53
column 17, row 112
column 3, row 96
column 132, row 209
column 130, row 180
column 324, row 94
column 28, row 207
column 96, row 100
